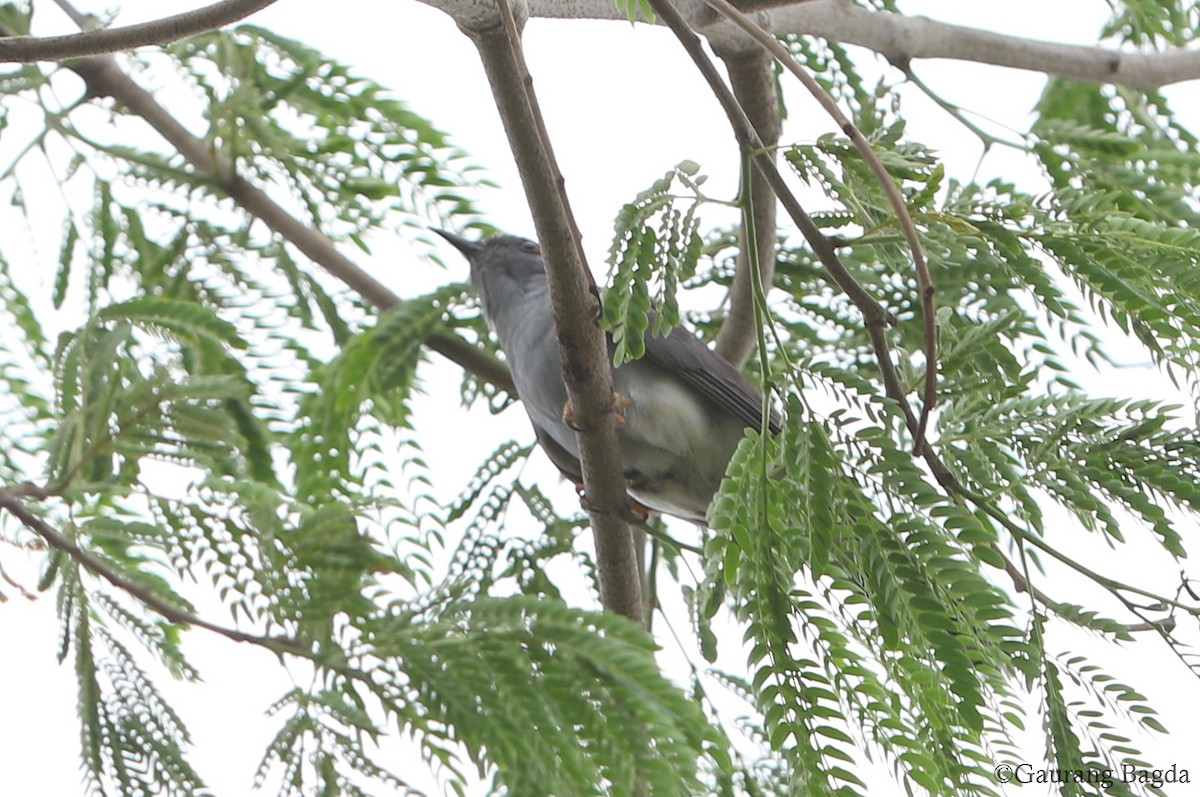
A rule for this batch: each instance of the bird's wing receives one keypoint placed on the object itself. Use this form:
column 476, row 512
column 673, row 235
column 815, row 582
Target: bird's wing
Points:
column 685, row 355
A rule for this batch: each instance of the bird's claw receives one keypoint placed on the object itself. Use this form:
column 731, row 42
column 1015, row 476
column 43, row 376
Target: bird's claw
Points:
column 633, row 511
column 620, row 403
column 568, row 417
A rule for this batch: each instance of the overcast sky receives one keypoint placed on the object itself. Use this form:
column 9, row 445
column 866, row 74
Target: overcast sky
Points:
column 623, row 106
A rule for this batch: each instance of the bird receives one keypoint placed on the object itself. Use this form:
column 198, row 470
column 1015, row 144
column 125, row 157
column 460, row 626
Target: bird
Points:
column 684, row 408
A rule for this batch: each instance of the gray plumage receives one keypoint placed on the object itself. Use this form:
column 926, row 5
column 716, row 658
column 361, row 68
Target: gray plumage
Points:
column 688, row 407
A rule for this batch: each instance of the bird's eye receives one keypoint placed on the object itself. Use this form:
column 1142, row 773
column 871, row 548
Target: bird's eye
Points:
column 531, row 247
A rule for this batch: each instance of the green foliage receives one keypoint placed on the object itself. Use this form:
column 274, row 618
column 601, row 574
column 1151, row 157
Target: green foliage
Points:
column 282, row 111
column 492, row 556
column 836, row 551
column 655, row 243
column 637, row 8
column 375, row 371
column 832, row 67
column 132, row 740
column 878, row 616
column 1144, row 22
column 24, row 400
column 535, row 688
column 116, row 406
column 1070, row 450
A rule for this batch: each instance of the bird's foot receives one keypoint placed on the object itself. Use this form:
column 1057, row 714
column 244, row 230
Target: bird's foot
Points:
column 632, row 512
column 620, row 403
column 640, row 511
column 569, row 419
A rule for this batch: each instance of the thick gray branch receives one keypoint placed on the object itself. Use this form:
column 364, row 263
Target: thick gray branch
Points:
column 586, row 370
column 108, row 40
column 902, row 39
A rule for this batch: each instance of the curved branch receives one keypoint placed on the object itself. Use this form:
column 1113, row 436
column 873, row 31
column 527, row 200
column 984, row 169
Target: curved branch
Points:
column 890, row 189
column 104, row 78
column 107, row 40
column 10, row 500
column 959, row 115
column 876, row 319
column 900, row 38
column 1022, row 583
column 875, row 316
column 1115, row 587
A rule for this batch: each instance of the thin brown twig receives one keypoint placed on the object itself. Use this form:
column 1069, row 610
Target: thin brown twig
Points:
column 958, row 113
column 875, row 315
column 104, row 78
column 10, row 499
column 107, row 40
column 1162, row 627
column 1114, row 587
column 876, row 318
column 1186, row 586
column 924, row 279
column 82, row 20
column 748, row 141
column 20, row 588
column 1021, row 583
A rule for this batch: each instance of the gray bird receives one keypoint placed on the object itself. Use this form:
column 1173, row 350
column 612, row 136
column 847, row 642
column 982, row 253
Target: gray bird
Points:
column 685, row 408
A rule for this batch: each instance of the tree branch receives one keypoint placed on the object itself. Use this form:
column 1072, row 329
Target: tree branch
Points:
column 876, row 319
column 890, row 189
column 107, row 40
column 875, row 316
column 104, row 78
column 1021, row 583
column 10, row 499
column 900, row 39
column 897, row 37
column 586, row 370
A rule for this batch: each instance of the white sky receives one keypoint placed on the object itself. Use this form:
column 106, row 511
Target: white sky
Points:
column 623, row 106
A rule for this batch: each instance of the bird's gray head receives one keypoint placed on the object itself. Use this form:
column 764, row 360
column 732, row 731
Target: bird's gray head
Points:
column 508, row 275
column 501, row 258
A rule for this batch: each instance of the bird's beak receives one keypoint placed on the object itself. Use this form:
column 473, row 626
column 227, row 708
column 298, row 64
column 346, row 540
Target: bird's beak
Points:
column 468, row 248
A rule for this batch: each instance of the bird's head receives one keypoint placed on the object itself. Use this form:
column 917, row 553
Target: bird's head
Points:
column 501, row 256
